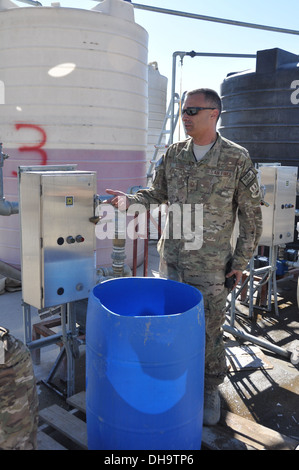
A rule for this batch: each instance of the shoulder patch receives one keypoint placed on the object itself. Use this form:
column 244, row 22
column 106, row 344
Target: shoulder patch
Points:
column 249, row 177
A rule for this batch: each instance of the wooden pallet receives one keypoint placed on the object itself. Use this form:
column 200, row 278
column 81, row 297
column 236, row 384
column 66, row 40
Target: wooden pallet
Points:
column 66, row 424
column 232, row 433
column 237, row 433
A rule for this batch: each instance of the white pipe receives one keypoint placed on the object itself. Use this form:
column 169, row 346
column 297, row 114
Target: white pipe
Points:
column 214, row 19
column 10, row 271
column 6, row 207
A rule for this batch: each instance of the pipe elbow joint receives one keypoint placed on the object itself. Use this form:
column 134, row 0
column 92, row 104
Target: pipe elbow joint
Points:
column 8, row 208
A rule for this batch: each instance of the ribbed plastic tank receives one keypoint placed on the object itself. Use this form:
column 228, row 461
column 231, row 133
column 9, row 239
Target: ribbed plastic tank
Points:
column 75, row 92
column 157, row 107
column 144, row 365
column 157, row 101
column 261, row 108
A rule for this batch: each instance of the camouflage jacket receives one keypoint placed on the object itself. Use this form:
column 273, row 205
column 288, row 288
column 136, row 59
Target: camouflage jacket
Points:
column 224, row 183
column 18, row 396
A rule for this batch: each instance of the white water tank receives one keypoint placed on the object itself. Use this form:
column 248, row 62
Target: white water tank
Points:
column 76, row 91
column 157, row 108
column 157, row 102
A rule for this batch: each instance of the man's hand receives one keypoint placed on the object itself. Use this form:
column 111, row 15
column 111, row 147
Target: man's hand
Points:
column 120, row 201
column 237, row 274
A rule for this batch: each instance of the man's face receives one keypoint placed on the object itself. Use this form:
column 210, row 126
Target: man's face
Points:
column 203, row 121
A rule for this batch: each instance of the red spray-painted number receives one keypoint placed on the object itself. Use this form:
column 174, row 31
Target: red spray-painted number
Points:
column 36, row 147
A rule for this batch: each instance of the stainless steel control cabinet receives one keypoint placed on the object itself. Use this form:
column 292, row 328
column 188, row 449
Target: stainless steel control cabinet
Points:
column 279, row 184
column 57, row 238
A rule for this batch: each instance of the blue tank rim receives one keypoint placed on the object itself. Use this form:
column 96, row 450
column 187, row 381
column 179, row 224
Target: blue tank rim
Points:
column 196, row 294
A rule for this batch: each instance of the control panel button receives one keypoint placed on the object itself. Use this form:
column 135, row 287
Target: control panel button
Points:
column 60, row 241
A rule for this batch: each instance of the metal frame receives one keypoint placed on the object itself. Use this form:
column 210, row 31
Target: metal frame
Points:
column 268, row 276
column 69, row 338
column 176, row 100
column 192, row 54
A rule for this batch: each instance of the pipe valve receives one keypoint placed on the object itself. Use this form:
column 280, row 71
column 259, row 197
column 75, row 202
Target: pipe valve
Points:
column 6, row 207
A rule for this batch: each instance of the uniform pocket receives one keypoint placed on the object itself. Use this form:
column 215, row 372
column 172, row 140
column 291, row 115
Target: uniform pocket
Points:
column 177, row 186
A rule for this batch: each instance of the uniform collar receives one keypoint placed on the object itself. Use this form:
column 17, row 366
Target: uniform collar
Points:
column 212, row 156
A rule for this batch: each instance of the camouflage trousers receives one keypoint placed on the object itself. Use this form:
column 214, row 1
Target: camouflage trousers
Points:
column 18, row 397
column 211, row 286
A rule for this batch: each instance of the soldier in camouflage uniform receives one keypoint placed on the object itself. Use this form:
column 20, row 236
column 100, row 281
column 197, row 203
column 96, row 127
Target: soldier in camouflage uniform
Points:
column 18, row 395
column 215, row 172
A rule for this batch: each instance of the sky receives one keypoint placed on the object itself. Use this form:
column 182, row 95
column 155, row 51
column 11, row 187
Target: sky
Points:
column 169, row 34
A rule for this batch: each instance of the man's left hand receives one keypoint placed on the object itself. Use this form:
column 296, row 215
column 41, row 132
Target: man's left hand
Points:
column 238, row 275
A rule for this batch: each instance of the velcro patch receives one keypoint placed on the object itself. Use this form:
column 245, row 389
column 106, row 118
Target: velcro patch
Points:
column 220, row 172
column 249, row 177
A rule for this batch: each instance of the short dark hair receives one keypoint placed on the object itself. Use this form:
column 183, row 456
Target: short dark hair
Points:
column 211, row 96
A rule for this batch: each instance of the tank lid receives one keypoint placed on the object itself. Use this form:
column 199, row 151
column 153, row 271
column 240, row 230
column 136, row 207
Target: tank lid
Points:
column 118, row 8
column 269, row 60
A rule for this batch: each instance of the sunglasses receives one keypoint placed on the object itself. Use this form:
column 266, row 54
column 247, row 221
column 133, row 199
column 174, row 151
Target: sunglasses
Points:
column 192, row 111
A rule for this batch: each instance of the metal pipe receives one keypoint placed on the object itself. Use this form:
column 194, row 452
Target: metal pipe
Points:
column 119, row 244
column 31, row 2
column 145, row 261
column 10, row 271
column 68, row 325
column 192, row 54
column 105, row 273
column 258, row 341
column 185, row 14
column 47, row 341
column 6, row 207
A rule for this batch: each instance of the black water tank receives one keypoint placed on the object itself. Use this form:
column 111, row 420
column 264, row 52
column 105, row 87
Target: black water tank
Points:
column 261, row 108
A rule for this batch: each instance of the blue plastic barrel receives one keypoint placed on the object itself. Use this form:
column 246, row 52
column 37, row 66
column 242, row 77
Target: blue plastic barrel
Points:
column 144, row 365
